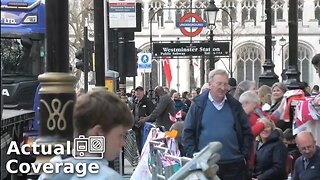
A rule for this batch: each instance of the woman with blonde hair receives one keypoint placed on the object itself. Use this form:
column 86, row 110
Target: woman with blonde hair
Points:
column 270, row 155
column 265, row 93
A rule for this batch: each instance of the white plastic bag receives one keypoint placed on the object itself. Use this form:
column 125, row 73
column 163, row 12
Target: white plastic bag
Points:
column 142, row 170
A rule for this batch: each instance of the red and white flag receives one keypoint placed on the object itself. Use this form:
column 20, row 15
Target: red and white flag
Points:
column 305, row 112
column 172, row 118
column 167, row 70
column 177, row 116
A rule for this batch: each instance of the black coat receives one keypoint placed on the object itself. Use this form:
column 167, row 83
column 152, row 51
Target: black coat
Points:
column 161, row 112
column 271, row 158
column 145, row 107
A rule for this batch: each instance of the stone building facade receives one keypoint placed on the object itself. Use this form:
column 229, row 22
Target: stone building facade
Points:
column 248, row 54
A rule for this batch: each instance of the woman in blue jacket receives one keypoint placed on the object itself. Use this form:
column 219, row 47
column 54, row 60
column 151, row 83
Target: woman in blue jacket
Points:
column 270, row 155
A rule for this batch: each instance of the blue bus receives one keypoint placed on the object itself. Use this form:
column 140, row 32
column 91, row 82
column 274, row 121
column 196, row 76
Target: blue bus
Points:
column 22, row 51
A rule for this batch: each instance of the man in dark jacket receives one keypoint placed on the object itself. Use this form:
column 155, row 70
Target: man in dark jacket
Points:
column 162, row 110
column 217, row 116
column 307, row 166
column 143, row 107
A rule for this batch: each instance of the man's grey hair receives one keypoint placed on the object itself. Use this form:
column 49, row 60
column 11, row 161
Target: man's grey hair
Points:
column 217, row 72
column 249, row 96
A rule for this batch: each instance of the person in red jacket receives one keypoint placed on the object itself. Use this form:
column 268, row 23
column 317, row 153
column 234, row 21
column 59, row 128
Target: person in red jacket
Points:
column 258, row 119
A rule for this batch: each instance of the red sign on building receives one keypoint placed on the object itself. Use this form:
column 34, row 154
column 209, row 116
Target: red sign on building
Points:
column 184, row 23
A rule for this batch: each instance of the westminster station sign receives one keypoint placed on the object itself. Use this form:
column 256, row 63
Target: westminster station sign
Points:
column 190, row 49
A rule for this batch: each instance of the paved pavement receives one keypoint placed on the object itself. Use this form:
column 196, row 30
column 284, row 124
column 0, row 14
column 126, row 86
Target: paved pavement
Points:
column 128, row 169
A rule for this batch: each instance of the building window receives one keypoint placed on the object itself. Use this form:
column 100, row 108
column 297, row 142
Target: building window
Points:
column 200, row 6
column 182, row 8
column 304, row 58
column 317, row 10
column 248, row 11
column 154, row 6
column 249, row 62
column 276, row 10
column 231, row 7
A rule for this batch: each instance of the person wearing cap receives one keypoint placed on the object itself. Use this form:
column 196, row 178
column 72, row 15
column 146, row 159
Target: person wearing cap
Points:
column 143, row 107
column 232, row 86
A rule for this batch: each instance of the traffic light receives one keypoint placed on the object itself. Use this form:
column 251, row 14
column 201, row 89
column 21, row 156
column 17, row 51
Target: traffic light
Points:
column 79, row 57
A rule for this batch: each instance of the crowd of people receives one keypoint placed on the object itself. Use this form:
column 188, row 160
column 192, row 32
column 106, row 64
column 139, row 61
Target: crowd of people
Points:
column 258, row 142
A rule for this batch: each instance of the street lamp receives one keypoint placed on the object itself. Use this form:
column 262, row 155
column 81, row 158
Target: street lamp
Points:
column 282, row 43
column 211, row 12
column 231, row 39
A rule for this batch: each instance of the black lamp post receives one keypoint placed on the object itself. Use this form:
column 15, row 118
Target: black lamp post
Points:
column 282, row 43
column 211, row 12
column 268, row 77
column 293, row 74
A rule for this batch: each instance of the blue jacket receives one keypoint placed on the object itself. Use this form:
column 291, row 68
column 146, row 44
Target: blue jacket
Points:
column 192, row 125
column 271, row 158
column 313, row 169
